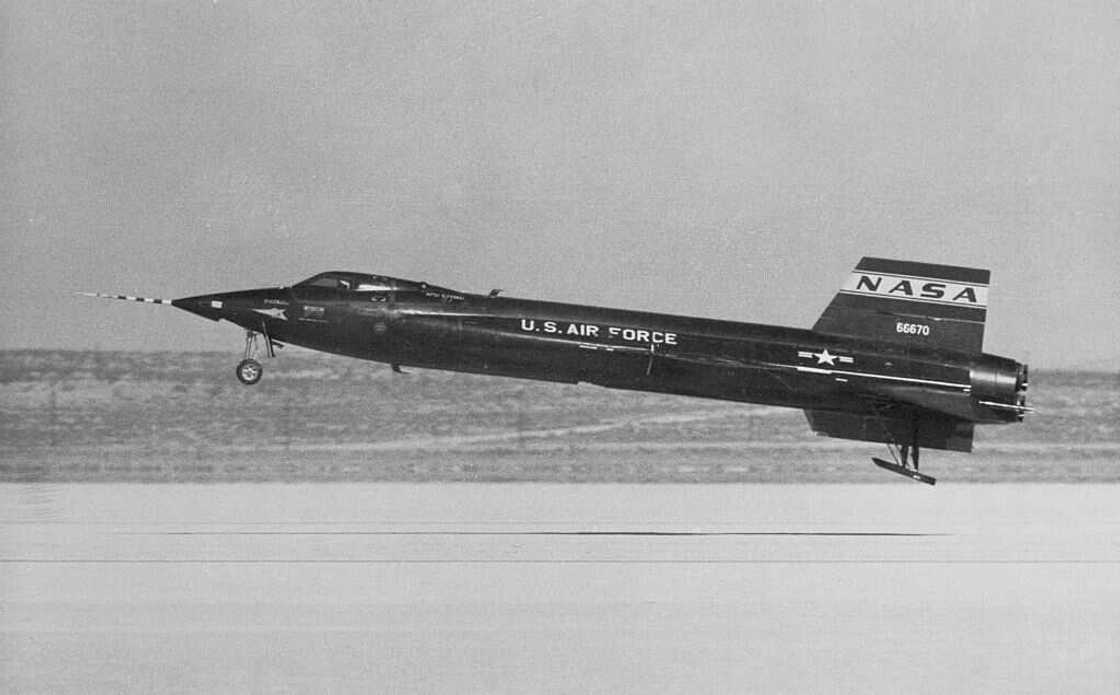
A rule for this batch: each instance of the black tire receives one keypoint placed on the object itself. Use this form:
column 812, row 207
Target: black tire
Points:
column 249, row 372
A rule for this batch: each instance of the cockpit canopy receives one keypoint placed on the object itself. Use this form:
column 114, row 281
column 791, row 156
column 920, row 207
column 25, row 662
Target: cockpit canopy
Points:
column 360, row 282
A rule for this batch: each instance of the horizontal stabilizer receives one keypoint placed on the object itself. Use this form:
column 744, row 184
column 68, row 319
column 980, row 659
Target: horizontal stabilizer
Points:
column 919, row 304
column 928, row 430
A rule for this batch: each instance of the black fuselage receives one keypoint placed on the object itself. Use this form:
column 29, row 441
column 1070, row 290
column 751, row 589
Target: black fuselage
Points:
column 419, row 325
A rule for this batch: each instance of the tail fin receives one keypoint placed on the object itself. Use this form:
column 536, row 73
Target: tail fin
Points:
column 937, row 306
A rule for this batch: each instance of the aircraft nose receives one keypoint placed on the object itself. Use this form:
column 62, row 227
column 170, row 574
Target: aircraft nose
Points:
column 211, row 306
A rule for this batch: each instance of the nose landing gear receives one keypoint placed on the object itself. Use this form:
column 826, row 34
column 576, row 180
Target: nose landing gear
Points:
column 249, row 371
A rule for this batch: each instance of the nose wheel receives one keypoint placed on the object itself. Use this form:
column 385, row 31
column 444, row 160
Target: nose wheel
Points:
column 249, row 371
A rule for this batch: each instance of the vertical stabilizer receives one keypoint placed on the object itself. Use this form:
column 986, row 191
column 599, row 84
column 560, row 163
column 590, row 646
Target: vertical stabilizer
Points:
column 920, row 304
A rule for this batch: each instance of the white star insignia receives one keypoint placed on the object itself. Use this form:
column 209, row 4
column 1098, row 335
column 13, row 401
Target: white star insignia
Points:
column 825, row 357
column 273, row 312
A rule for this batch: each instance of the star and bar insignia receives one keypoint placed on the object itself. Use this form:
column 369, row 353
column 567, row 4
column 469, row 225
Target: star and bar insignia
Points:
column 825, row 357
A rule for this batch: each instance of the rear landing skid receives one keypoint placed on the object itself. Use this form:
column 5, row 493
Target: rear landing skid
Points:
column 905, row 455
column 905, row 463
column 903, row 470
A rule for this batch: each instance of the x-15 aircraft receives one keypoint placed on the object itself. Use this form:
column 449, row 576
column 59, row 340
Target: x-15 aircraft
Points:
column 896, row 357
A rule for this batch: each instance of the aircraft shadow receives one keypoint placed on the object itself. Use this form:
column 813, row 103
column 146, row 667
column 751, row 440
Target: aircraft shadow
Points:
column 701, row 534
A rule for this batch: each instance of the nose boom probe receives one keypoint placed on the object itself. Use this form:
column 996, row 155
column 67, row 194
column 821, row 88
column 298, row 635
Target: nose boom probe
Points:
column 126, row 297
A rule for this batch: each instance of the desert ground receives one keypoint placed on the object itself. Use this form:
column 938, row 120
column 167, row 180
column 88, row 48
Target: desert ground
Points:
column 158, row 417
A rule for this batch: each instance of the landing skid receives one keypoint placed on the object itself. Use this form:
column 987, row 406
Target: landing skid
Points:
column 905, row 470
column 905, row 455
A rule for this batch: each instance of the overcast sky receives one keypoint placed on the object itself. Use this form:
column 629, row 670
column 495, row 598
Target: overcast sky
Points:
column 731, row 160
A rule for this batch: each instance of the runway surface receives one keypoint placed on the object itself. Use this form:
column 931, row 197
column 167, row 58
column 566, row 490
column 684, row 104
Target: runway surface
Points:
column 515, row 588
